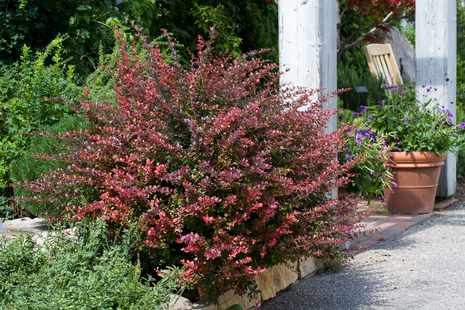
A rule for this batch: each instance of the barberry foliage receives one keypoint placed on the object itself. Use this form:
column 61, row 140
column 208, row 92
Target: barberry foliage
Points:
column 224, row 169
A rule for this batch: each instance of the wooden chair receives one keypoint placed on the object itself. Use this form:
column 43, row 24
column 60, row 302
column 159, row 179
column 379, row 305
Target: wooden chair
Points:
column 382, row 63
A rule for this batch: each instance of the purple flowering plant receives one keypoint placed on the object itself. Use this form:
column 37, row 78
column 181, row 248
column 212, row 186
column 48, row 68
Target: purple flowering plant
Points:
column 370, row 150
column 410, row 125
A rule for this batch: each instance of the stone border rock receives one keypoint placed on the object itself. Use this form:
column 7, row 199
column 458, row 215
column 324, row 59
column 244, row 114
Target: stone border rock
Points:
column 25, row 225
column 275, row 279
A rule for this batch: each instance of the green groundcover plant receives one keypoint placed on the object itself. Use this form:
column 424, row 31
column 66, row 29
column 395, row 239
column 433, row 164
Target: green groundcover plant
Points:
column 80, row 269
column 6, row 211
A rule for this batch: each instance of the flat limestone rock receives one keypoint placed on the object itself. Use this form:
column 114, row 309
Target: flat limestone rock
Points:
column 309, row 266
column 276, row 279
column 226, row 300
column 179, row 303
column 25, row 225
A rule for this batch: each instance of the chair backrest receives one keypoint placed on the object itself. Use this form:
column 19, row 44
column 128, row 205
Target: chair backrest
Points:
column 382, row 63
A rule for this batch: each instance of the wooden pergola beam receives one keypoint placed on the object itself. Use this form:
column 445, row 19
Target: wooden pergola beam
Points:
column 436, row 56
column 307, row 46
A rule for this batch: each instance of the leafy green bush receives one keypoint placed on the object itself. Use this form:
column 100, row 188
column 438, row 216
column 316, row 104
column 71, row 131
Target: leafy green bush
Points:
column 349, row 77
column 460, row 117
column 63, row 272
column 243, row 25
column 5, row 209
column 409, row 33
column 27, row 167
column 22, row 109
column 36, row 22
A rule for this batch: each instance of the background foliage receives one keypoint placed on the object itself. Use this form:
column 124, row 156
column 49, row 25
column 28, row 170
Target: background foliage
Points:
column 243, row 25
column 349, row 77
column 23, row 87
column 460, row 80
column 36, row 23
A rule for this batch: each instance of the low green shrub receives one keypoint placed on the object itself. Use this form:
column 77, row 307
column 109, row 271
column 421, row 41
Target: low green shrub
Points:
column 460, row 117
column 23, row 87
column 409, row 33
column 5, row 209
column 82, row 272
column 28, row 167
column 349, row 77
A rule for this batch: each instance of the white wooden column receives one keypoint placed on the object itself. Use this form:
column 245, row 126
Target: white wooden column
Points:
column 436, row 32
column 307, row 46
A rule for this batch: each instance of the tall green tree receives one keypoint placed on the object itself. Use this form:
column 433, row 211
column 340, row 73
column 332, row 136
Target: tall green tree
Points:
column 243, row 25
column 36, row 23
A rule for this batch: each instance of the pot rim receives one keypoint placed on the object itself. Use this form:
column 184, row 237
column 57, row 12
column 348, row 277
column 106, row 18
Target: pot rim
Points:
column 417, row 157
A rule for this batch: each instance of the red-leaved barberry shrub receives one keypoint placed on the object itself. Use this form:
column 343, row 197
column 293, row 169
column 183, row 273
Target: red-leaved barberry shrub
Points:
column 225, row 170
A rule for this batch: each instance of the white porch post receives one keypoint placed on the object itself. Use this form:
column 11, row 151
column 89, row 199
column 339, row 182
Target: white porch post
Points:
column 435, row 26
column 307, row 45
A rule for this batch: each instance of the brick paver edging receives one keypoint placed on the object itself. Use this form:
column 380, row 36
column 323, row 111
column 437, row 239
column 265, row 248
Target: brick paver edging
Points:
column 390, row 225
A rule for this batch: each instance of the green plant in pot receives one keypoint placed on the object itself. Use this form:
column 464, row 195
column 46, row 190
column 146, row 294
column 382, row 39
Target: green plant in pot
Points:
column 420, row 134
column 371, row 173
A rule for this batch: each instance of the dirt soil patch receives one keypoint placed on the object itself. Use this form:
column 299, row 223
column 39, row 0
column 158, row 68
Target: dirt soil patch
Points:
column 460, row 190
column 376, row 206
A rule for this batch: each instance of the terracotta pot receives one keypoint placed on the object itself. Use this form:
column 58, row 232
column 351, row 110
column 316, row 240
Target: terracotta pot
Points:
column 417, row 176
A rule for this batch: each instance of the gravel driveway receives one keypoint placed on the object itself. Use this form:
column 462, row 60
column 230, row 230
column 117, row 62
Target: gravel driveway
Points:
column 422, row 267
